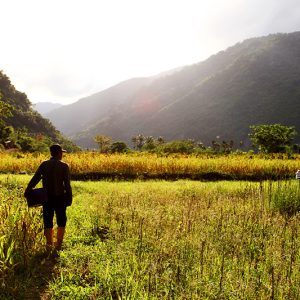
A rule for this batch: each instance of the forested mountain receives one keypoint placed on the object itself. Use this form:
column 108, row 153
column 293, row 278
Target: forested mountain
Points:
column 20, row 125
column 256, row 81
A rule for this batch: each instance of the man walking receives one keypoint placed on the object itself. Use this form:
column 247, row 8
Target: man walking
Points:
column 55, row 176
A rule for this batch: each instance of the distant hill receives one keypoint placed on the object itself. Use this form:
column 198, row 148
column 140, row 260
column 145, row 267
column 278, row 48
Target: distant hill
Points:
column 45, row 107
column 255, row 81
column 73, row 118
column 26, row 122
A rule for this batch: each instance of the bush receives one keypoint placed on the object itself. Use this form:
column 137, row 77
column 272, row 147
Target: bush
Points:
column 285, row 197
column 118, row 147
column 181, row 146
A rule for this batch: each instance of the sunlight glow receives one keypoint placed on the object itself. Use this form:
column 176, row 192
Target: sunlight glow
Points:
column 63, row 50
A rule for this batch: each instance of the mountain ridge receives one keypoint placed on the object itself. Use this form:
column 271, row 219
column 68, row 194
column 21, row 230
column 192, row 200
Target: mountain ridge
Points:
column 251, row 82
column 44, row 108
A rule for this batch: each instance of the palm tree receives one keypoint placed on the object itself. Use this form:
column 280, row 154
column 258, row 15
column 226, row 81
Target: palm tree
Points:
column 149, row 143
column 134, row 141
column 160, row 140
column 140, row 141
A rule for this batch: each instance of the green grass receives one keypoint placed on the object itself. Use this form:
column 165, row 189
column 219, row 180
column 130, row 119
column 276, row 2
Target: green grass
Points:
column 157, row 240
column 285, row 197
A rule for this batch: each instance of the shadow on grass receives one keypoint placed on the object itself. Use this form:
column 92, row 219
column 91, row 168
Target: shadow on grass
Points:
column 30, row 282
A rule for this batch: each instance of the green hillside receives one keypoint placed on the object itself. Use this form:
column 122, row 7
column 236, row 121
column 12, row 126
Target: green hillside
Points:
column 256, row 81
column 21, row 126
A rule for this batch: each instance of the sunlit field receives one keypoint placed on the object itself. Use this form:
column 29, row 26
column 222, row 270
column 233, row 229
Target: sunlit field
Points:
column 93, row 165
column 156, row 240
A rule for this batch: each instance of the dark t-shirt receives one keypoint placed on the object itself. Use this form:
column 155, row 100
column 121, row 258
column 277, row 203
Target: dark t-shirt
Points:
column 55, row 176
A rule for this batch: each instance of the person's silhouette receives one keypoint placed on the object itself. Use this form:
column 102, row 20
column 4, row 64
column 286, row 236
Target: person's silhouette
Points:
column 55, row 176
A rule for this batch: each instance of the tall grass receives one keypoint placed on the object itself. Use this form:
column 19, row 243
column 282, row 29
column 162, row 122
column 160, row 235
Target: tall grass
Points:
column 285, row 197
column 95, row 165
column 20, row 234
column 174, row 240
column 182, row 240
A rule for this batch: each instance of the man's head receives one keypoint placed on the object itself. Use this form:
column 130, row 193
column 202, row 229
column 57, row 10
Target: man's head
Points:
column 56, row 150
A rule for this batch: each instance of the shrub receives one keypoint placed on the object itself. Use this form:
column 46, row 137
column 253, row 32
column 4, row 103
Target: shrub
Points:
column 181, row 146
column 286, row 197
column 118, row 147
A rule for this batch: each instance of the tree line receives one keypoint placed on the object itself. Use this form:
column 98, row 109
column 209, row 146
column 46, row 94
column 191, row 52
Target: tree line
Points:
column 265, row 138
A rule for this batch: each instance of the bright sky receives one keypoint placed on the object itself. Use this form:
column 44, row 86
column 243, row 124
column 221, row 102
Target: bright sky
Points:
column 63, row 50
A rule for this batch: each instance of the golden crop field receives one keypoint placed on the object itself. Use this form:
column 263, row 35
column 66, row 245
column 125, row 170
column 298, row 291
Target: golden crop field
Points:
column 93, row 165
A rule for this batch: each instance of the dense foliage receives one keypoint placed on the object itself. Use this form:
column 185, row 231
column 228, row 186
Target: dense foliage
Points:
column 273, row 138
column 20, row 126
